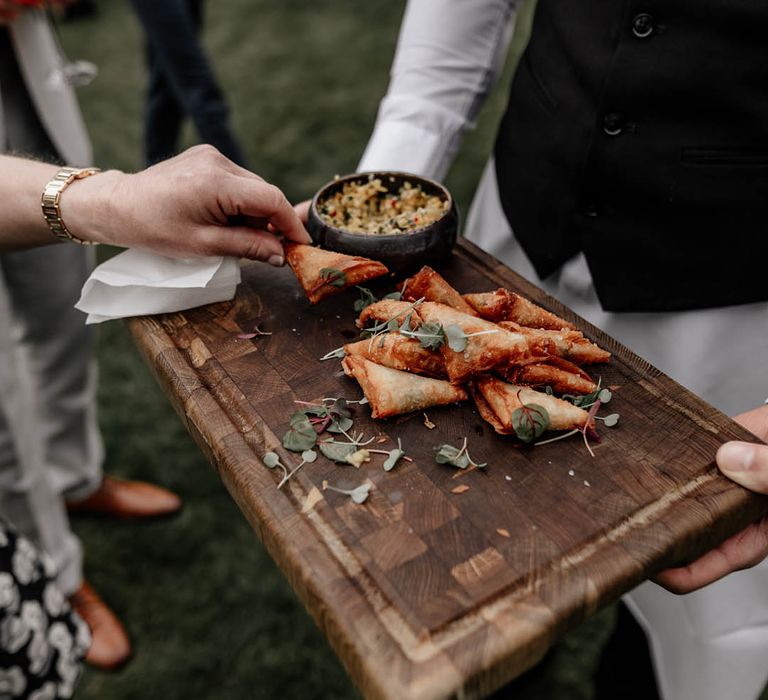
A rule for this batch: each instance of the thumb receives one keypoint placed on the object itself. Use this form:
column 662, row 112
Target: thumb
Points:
column 746, row 464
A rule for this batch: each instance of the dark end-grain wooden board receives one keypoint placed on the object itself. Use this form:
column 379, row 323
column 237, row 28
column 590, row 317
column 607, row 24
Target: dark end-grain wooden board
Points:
column 419, row 590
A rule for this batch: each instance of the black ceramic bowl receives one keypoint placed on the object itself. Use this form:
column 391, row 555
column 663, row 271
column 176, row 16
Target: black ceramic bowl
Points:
column 402, row 251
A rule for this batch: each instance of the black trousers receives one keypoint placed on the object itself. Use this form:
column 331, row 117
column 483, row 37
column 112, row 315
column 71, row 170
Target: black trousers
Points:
column 181, row 81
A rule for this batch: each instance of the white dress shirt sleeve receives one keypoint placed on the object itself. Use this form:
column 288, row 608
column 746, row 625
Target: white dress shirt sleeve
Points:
column 448, row 56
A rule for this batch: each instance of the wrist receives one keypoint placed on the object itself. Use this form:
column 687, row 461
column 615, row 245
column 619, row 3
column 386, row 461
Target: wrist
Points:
column 88, row 207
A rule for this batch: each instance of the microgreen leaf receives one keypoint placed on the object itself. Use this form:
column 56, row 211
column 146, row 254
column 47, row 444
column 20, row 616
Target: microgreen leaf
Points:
column 301, row 435
column 457, row 340
column 337, row 451
column 587, row 400
column 358, row 495
column 366, row 299
column 611, row 420
column 397, row 296
column 271, row 460
column 340, row 408
column 319, row 411
column 448, row 454
column 309, row 456
column 604, row 395
column 340, row 425
column 338, row 352
column 429, row 335
column 529, row 421
column 405, row 325
column 333, row 276
column 394, row 456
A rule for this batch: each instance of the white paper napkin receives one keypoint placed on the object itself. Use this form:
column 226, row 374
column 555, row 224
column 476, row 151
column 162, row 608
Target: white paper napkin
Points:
column 136, row 282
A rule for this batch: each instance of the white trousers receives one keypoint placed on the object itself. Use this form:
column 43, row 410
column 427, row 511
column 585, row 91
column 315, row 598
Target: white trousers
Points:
column 49, row 441
column 711, row 644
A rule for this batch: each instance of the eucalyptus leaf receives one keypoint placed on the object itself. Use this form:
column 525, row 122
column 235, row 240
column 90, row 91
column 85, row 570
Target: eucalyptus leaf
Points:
column 336, row 451
column 457, row 340
column 301, row 435
column 271, row 460
column 393, row 325
column 530, row 421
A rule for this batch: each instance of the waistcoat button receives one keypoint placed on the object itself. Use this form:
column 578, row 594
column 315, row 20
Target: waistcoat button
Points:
column 642, row 25
column 613, row 124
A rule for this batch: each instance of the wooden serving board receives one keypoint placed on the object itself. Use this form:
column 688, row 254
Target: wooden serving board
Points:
column 423, row 592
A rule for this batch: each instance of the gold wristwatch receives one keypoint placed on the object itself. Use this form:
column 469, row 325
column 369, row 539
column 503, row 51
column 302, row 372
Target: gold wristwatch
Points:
column 51, row 200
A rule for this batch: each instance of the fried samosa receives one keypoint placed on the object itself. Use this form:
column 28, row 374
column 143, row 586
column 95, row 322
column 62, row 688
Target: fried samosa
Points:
column 388, row 310
column 322, row 273
column 497, row 401
column 398, row 352
column 568, row 344
column 503, row 305
column 431, row 286
column 493, row 346
column 392, row 392
column 561, row 376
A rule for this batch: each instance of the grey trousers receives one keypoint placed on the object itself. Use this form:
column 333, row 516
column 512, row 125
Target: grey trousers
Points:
column 50, row 445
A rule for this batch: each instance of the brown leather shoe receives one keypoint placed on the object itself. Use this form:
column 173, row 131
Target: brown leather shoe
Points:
column 128, row 499
column 110, row 647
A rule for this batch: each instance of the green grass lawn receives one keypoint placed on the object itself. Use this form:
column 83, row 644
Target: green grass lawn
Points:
column 210, row 614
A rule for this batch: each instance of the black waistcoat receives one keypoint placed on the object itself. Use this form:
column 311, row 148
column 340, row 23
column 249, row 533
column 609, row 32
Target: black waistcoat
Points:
column 637, row 132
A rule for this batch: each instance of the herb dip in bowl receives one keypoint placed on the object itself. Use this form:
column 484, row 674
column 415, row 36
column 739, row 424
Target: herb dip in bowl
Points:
column 400, row 219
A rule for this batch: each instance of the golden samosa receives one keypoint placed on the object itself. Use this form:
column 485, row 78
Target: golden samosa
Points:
column 497, row 401
column 561, row 376
column 388, row 310
column 488, row 345
column 503, row 305
column 398, row 352
column 570, row 345
column 431, row 286
column 322, row 273
column 391, row 392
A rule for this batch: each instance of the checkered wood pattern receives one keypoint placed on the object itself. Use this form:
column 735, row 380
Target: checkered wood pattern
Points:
column 420, row 590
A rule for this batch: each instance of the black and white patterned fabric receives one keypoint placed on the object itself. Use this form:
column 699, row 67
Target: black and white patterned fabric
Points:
column 42, row 640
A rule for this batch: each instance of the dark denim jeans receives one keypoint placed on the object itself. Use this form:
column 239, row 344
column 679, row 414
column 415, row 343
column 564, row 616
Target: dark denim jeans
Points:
column 181, row 81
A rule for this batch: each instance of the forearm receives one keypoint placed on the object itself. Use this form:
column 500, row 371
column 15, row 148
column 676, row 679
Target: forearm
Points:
column 448, row 56
column 84, row 206
column 21, row 184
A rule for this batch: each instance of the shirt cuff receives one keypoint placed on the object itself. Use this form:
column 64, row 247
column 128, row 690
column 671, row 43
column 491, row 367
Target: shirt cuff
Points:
column 400, row 146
